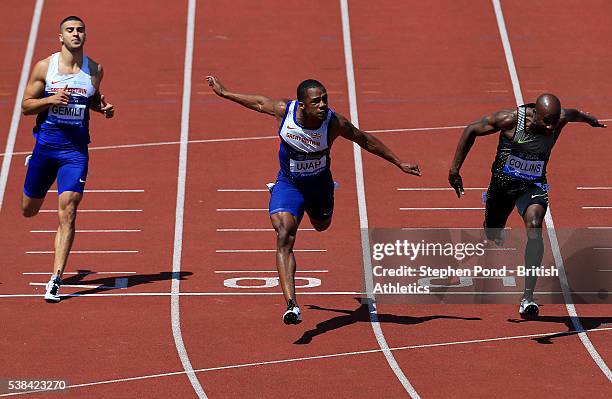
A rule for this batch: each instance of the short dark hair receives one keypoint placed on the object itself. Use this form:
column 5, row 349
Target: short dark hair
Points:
column 305, row 85
column 71, row 18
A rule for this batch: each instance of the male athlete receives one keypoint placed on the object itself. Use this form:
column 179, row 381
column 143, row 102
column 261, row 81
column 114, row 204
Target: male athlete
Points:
column 527, row 137
column 307, row 130
column 61, row 91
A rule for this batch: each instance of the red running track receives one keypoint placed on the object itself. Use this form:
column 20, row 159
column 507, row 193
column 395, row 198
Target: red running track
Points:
column 411, row 70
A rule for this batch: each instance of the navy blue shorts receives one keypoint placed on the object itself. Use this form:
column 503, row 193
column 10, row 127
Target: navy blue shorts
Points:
column 47, row 164
column 314, row 196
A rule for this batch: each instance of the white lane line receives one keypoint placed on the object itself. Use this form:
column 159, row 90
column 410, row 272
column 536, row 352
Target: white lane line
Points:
column 268, row 271
column 257, row 292
column 602, row 248
column 84, row 252
column 599, row 227
column 94, row 210
column 448, row 228
column 363, row 210
column 242, row 190
column 440, row 209
column 254, row 230
column 439, row 188
column 593, row 188
column 238, row 139
column 23, row 81
column 107, row 191
column 264, row 250
column 550, row 226
column 89, row 231
column 180, row 206
column 325, row 356
column 190, row 294
column 241, row 209
column 605, row 270
column 417, row 129
column 597, row 207
column 76, row 273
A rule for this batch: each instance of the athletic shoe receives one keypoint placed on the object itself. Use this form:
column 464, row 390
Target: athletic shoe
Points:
column 293, row 314
column 270, row 186
column 528, row 308
column 53, row 286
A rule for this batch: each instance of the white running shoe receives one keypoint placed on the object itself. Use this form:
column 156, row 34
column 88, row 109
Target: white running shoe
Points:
column 52, row 289
column 528, row 308
column 293, row 314
column 270, row 186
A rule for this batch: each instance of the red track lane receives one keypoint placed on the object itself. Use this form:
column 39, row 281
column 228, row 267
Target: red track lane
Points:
column 12, row 47
column 581, row 80
column 412, row 70
column 93, row 339
column 450, row 71
column 255, row 49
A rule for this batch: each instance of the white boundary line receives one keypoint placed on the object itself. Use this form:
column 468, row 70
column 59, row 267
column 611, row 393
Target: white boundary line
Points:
column 242, row 190
column 319, row 357
column 254, row 230
column 224, row 251
column 85, row 252
column 94, row 210
column 593, row 188
column 180, row 205
column 269, row 271
column 23, row 81
column 76, row 273
column 550, row 226
column 439, row 189
column 90, row 231
column 107, row 191
column 363, row 211
column 456, row 208
column 597, row 207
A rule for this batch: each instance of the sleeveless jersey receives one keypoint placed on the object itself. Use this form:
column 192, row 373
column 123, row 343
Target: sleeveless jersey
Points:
column 524, row 157
column 66, row 126
column 303, row 153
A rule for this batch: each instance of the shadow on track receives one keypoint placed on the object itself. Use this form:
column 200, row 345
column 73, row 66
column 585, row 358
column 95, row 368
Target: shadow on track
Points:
column 362, row 315
column 588, row 323
column 106, row 284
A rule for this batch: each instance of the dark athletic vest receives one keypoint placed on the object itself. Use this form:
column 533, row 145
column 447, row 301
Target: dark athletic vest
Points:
column 524, row 157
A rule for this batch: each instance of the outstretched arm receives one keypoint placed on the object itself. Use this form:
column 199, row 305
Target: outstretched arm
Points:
column 502, row 120
column 342, row 127
column 574, row 115
column 255, row 102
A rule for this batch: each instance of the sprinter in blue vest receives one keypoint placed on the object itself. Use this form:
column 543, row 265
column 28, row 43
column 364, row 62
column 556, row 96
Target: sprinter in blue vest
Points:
column 308, row 128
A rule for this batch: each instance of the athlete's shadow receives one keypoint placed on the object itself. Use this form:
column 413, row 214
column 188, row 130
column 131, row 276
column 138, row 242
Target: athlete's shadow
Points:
column 104, row 284
column 362, row 315
column 588, row 323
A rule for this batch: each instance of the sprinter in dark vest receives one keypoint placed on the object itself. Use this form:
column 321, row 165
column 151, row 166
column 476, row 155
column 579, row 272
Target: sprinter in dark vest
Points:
column 527, row 136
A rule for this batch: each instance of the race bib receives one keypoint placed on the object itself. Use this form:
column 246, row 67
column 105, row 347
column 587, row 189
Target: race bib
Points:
column 71, row 114
column 523, row 169
column 308, row 166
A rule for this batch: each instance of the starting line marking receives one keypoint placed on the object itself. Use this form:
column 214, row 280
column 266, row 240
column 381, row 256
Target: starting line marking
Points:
column 326, row 356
